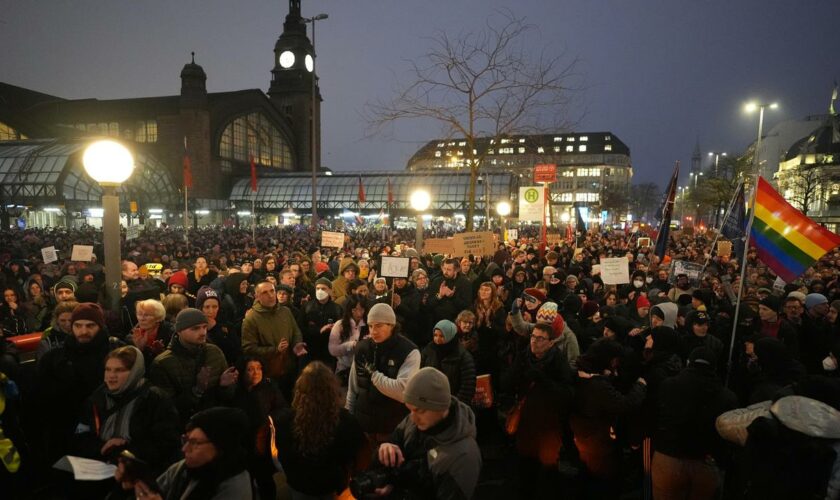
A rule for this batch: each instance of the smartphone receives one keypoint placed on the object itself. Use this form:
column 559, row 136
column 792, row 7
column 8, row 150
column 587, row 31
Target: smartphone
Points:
column 138, row 470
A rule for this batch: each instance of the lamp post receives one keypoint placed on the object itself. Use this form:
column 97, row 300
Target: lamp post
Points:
column 110, row 164
column 503, row 209
column 420, row 201
column 313, row 141
column 749, row 108
column 717, row 156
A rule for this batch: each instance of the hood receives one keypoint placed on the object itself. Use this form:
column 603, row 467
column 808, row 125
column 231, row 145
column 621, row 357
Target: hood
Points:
column 257, row 307
column 232, row 283
column 346, row 261
column 669, row 312
column 463, row 426
column 808, row 416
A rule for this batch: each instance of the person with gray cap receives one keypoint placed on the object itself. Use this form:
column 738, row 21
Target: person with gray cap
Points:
column 815, row 334
column 382, row 365
column 439, row 433
column 192, row 371
column 449, row 356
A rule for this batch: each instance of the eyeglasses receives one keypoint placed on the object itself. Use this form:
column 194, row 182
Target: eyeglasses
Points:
column 192, row 442
column 538, row 338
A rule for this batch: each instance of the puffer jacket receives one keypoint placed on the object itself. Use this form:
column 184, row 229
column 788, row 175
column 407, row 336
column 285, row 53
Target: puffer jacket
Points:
column 262, row 330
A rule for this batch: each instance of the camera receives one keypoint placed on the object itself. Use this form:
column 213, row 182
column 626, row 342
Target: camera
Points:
column 409, row 475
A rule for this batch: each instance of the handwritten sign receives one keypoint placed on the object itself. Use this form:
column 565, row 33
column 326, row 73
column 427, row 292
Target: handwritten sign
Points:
column 49, row 255
column 474, row 243
column 690, row 269
column 724, row 248
column 82, row 253
column 442, row 246
column 513, row 234
column 643, row 242
column 132, row 232
column 394, row 267
column 615, row 270
column 332, row 239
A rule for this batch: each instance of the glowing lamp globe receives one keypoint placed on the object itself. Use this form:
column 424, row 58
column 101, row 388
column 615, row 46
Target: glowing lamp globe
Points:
column 108, row 162
column 420, row 200
column 503, row 208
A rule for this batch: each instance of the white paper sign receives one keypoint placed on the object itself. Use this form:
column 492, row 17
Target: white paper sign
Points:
column 82, row 253
column 85, row 469
column 49, row 255
column 615, row 271
column 531, row 203
column 332, row 239
column 132, row 232
column 513, row 234
column 779, row 285
column 394, row 267
column 596, row 269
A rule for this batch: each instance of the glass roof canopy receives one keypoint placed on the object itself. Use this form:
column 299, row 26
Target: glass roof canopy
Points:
column 44, row 173
column 340, row 191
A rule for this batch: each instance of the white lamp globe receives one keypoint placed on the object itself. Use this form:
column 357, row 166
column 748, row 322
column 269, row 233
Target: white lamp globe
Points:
column 503, row 208
column 420, row 200
column 108, row 162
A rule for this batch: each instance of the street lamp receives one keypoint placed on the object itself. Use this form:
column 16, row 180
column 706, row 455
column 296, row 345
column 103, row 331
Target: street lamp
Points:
column 503, row 209
column 717, row 156
column 110, row 164
column 420, row 201
column 749, row 108
column 313, row 141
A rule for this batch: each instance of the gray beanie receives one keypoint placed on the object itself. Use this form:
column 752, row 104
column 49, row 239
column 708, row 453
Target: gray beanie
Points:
column 324, row 281
column 447, row 328
column 382, row 313
column 188, row 318
column 428, row 389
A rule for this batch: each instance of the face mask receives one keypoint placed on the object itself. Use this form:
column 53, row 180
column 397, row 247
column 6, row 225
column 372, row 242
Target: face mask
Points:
column 649, row 280
column 829, row 364
column 321, row 294
column 638, row 283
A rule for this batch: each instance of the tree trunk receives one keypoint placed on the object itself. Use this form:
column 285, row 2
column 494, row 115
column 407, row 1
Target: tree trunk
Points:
column 471, row 195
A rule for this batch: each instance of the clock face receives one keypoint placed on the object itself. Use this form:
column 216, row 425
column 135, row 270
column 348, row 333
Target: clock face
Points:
column 287, row 59
column 309, row 62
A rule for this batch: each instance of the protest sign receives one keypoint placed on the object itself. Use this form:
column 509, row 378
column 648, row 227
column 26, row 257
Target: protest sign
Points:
column 779, row 285
column 615, row 271
column 394, row 267
column 474, row 243
column 82, row 253
column 439, row 246
column 512, row 234
column 49, row 254
column 724, row 248
column 643, row 242
column 332, row 239
column 132, row 232
column 690, row 269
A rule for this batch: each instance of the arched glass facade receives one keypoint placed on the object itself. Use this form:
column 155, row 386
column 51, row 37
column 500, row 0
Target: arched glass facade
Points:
column 8, row 133
column 254, row 134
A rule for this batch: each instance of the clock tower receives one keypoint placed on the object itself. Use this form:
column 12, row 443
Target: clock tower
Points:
column 294, row 87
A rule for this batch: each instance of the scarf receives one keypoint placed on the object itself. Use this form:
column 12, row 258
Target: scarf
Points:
column 120, row 404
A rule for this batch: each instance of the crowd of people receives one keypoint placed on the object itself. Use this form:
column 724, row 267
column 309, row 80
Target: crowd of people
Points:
column 229, row 361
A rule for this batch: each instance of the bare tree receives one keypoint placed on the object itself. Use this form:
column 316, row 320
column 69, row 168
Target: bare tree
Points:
column 484, row 84
column 807, row 183
column 644, row 200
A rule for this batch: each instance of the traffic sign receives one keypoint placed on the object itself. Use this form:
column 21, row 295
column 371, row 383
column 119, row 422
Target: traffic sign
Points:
column 545, row 172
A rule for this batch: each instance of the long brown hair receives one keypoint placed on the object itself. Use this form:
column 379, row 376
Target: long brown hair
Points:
column 317, row 404
column 489, row 309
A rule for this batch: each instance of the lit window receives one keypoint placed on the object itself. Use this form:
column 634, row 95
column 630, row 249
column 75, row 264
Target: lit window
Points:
column 584, row 138
column 608, row 147
column 521, row 150
column 570, row 149
column 254, row 134
column 540, row 150
column 505, row 151
column 556, row 149
column 558, row 139
column 607, row 138
column 437, row 154
column 451, row 143
column 7, row 133
column 441, row 144
column 582, row 148
column 505, row 141
column 475, row 152
column 492, row 141
column 570, row 139
column 566, row 197
column 460, row 153
column 462, row 143
column 522, row 141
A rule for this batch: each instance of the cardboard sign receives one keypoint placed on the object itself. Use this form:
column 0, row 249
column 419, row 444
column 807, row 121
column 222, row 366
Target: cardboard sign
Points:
column 643, row 242
column 82, row 253
column 474, row 243
column 394, row 267
column 443, row 246
column 615, row 270
column 724, row 248
column 49, row 255
column 132, row 232
column 332, row 239
column 531, row 203
column 555, row 239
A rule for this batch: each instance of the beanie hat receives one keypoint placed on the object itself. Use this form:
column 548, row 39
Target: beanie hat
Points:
column 536, row 293
column 64, row 284
column 89, row 311
column 702, row 356
column 438, row 260
column 324, row 281
column 428, row 389
column 798, row 295
column 557, row 326
column 703, row 295
column 203, row 294
column 320, row 267
column 572, row 304
column 177, row 278
column 189, row 318
column 285, row 288
column 590, row 307
column 382, row 313
column 814, row 299
column 87, row 292
column 696, row 317
column 642, row 301
column 547, row 313
column 226, row 429
column 771, row 302
column 447, row 328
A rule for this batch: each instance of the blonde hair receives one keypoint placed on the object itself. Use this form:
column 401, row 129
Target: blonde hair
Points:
column 154, row 306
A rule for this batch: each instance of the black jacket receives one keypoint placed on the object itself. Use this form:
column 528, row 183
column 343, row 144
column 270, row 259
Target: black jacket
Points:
column 449, row 307
column 456, row 363
column 317, row 315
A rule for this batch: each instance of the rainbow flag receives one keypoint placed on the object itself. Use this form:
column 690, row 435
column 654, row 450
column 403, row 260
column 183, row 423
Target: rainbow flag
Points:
column 786, row 240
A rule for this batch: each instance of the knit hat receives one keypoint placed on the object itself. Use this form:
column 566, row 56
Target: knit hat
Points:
column 320, row 267
column 437, row 260
column 205, row 293
column 642, row 301
column 178, row 278
column 771, row 302
column 226, row 429
column 547, row 313
column 324, row 281
column 814, row 299
column 697, row 317
column 447, row 328
column 557, row 326
column 702, row 356
column 189, row 318
column 382, row 313
column 285, row 288
column 590, row 307
column 428, row 389
column 64, row 284
column 536, row 293
column 799, row 295
column 89, row 311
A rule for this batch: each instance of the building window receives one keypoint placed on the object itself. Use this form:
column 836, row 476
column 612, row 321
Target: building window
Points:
column 582, row 148
column 587, row 197
column 521, row 150
column 462, row 143
column 567, row 197
column 570, row 149
column 522, row 141
column 114, row 129
column 505, row 141
column 144, row 131
column 608, row 147
column 567, row 173
column 505, row 151
column 441, row 144
column 7, row 133
column 255, row 135
column 558, row 139
column 607, row 138
column 584, row 138
column 437, row 154
column 570, row 139
column 589, row 172
column 540, row 150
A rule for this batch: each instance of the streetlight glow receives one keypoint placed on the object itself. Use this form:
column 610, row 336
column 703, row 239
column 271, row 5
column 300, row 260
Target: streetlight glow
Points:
column 420, row 200
column 503, row 208
column 108, row 162
column 751, row 107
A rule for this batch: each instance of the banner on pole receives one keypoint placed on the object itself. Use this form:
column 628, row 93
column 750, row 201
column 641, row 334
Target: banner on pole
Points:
column 531, row 203
column 394, row 267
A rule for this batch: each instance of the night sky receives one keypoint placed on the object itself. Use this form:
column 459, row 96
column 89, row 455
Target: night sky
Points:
column 657, row 73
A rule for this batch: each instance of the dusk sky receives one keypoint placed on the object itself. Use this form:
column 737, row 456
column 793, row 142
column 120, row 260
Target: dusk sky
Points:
column 659, row 74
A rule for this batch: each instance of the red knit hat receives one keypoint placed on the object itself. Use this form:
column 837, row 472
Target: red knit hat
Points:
column 178, row 278
column 320, row 267
column 536, row 293
column 557, row 326
column 642, row 301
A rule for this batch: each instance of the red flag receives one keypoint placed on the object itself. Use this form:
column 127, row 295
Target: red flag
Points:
column 362, row 198
column 390, row 192
column 570, row 235
column 187, row 167
column 253, row 175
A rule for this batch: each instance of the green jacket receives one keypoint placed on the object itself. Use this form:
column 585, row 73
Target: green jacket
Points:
column 262, row 330
column 174, row 371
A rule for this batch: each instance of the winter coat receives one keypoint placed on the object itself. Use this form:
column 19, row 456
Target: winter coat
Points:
column 408, row 313
column 567, row 342
column 456, row 363
column 317, row 315
column 262, row 330
column 177, row 484
column 449, row 307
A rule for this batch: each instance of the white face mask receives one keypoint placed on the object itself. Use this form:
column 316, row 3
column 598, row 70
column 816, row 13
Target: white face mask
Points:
column 321, row 294
column 638, row 283
column 829, row 364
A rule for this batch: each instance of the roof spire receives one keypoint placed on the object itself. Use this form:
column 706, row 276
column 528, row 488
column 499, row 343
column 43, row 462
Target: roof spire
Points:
column 193, row 57
column 831, row 109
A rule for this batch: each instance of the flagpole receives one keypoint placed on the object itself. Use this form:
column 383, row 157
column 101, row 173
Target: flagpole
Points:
column 725, row 218
column 741, row 281
column 186, row 217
